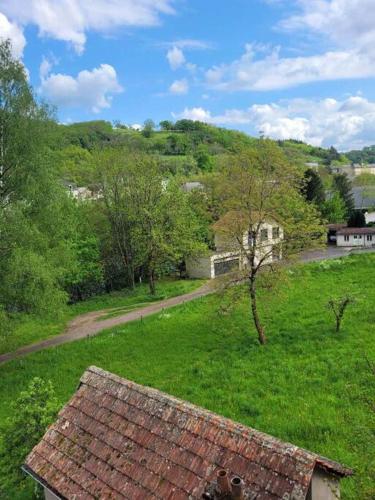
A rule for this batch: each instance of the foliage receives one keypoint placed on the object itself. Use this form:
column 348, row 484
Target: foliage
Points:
column 334, row 209
column 357, row 219
column 34, row 409
column 343, row 186
column 31, row 285
column 148, row 128
column 366, row 155
column 313, row 189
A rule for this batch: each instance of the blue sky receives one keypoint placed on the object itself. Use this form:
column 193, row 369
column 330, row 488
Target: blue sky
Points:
column 292, row 68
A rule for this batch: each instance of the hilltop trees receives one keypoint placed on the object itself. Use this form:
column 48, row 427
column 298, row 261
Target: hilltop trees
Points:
column 256, row 187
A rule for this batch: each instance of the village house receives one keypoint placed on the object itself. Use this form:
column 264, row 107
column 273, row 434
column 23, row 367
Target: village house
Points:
column 116, row 439
column 356, row 237
column 229, row 255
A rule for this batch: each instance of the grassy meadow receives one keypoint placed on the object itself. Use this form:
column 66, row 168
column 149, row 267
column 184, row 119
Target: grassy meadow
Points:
column 28, row 329
column 308, row 385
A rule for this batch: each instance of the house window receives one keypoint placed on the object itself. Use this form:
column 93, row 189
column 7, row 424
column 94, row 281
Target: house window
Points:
column 346, row 237
column 275, row 233
column 264, row 235
column 369, row 237
column 355, row 236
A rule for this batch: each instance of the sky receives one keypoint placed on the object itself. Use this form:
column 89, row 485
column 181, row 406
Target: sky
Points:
column 302, row 69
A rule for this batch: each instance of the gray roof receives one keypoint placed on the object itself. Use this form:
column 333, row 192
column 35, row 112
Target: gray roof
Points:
column 364, row 197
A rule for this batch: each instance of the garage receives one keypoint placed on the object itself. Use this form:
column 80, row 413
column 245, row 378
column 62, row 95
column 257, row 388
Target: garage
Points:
column 226, row 266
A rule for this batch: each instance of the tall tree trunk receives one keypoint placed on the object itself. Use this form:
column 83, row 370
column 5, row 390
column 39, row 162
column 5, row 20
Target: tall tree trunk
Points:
column 151, row 277
column 254, row 309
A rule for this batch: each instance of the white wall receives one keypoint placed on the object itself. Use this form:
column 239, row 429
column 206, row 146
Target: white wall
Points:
column 200, row 267
column 370, row 217
column 360, row 241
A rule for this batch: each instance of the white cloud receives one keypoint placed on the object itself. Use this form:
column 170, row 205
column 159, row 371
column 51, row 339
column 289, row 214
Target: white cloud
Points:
column 14, row 33
column 345, row 27
column 70, row 20
column 346, row 22
column 175, row 58
column 92, row 90
column 179, row 87
column 271, row 71
column 346, row 124
column 189, row 44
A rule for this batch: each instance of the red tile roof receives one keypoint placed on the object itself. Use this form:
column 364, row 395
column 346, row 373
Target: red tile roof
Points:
column 117, row 439
column 356, row 230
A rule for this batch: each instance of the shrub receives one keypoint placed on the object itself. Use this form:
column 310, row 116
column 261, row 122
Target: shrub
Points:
column 33, row 411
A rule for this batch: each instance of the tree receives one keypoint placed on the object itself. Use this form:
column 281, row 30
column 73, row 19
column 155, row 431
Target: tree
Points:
column 334, row 209
column 338, row 307
column 148, row 128
column 258, row 187
column 313, row 189
column 343, row 186
column 165, row 229
column 357, row 219
column 166, row 125
column 33, row 412
column 204, row 160
column 152, row 223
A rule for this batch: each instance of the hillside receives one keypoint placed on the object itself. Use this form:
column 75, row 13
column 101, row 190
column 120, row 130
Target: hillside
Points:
column 185, row 148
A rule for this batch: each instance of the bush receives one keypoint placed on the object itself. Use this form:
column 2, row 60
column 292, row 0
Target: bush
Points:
column 33, row 412
column 31, row 285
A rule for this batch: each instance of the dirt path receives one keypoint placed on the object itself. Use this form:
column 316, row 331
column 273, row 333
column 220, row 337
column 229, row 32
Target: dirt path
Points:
column 87, row 325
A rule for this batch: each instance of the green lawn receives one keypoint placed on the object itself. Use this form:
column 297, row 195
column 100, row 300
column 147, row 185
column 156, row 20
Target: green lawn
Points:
column 30, row 329
column 306, row 386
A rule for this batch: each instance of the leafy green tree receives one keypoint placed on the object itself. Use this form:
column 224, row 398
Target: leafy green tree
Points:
column 204, row 160
column 334, row 209
column 343, row 186
column 31, row 285
column 166, row 125
column 148, row 128
column 32, row 412
column 313, row 189
column 257, row 187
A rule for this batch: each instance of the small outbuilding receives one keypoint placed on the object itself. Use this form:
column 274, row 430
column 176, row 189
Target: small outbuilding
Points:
column 356, row 237
column 119, row 440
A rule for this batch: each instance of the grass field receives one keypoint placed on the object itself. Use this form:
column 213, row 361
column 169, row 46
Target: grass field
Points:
column 307, row 385
column 30, row 329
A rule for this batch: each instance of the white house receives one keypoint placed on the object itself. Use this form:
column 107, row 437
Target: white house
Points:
column 356, row 237
column 229, row 255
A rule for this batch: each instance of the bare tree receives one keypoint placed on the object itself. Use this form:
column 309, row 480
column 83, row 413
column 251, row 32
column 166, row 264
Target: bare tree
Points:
column 338, row 307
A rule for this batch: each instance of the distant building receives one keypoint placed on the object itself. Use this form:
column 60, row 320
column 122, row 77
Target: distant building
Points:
column 187, row 187
column 119, row 440
column 353, row 170
column 231, row 256
column 356, row 237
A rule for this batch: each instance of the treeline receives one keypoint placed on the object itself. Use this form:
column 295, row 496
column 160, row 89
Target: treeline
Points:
column 365, row 155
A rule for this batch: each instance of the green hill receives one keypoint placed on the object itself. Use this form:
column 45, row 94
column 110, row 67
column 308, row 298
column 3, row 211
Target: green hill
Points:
column 185, row 147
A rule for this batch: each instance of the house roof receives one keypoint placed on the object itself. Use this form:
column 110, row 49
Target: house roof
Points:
column 356, row 230
column 118, row 439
